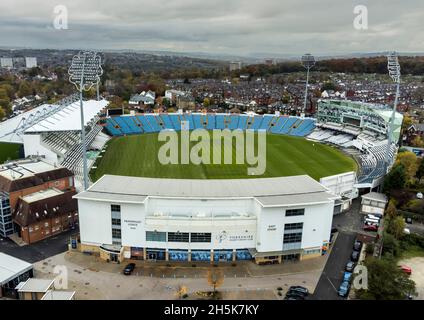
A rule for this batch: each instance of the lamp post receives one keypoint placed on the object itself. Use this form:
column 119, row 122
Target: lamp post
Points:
column 308, row 61
column 84, row 72
column 394, row 73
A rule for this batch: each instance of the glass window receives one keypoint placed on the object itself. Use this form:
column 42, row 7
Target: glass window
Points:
column 116, row 233
column 293, row 226
column 178, row 237
column 155, row 236
column 116, row 222
column 115, row 207
column 295, row 212
column 293, row 237
column 200, row 237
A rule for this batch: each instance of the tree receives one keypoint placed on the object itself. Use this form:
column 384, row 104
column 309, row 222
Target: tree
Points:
column 24, row 89
column 390, row 245
column 2, row 113
column 409, row 161
column 420, row 170
column 417, row 142
column 391, row 211
column 396, row 226
column 395, row 179
column 215, row 279
column 386, row 281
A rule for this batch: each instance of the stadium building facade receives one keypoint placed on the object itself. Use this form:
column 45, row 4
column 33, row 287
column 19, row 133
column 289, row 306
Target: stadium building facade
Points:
column 268, row 219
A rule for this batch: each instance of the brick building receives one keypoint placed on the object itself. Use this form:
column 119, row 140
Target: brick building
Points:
column 21, row 179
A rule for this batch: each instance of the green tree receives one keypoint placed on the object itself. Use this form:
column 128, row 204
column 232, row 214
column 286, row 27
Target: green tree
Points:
column 395, row 226
column 386, row 281
column 395, row 179
column 24, row 89
column 420, row 170
column 390, row 245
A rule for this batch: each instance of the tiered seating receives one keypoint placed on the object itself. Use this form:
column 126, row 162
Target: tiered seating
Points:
column 154, row 122
column 220, row 121
column 211, row 122
column 243, row 122
column 197, row 121
column 176, row 122
column 60, row 142
column 123, row 125
column 373, row 163
column 166, row 121
column 256, row 122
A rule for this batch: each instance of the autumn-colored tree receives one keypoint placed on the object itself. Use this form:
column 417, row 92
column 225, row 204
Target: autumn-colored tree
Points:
column 391, row 211
column 409, row 161
column 215, row 279
column 417, row 142
column 2, row 113
column 24, row 89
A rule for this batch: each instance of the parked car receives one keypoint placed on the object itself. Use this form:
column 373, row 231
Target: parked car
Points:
column 300, row 289
column 295, row 294
column 370, row 227
column 350, row 266
column 357, row 246
column 293, row 298
column 344, row 289
column 354, row 256
column 129, row 268
column 347, row 276
column 406, row 269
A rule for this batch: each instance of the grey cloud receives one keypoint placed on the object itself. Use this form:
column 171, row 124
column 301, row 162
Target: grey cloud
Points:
column 221, row 26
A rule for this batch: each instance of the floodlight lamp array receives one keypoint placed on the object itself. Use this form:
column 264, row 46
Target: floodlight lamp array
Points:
column 308, row 60
column 85, row 70
column 393, row 66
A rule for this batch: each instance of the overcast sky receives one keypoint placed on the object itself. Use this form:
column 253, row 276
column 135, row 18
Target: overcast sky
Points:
column 239, row 27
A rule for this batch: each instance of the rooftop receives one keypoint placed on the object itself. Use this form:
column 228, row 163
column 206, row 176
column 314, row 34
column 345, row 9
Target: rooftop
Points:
column 65, row 119
column 28, row 173
column 268, row 191
column 58, row 295
column 41, row 195
column 10, row 267
column 24, row 169
column 375, row 196
column 36, row 285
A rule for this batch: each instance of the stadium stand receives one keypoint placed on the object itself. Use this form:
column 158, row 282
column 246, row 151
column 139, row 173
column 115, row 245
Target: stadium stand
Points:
column 126, row 124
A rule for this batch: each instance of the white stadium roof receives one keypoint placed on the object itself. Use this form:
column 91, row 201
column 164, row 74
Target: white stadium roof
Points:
column 65, row 119
column 11, row 267
column 268, row 191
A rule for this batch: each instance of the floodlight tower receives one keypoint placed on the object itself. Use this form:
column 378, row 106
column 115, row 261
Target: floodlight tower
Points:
column 308, row 61
column 394, row 73
column 84, row 72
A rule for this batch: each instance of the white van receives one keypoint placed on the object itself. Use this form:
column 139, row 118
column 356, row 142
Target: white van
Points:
column 372, row 221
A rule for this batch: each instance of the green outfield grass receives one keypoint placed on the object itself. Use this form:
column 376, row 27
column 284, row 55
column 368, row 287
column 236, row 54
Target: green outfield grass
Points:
column 286, row 156
column 9, row 151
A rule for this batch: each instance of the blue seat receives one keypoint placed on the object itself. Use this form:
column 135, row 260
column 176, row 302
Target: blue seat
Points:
column 151, row 119
column 166, row 121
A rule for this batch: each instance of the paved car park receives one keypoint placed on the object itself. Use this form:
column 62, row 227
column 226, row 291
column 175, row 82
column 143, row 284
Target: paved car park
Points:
column 331, row 277
column 39, row 250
